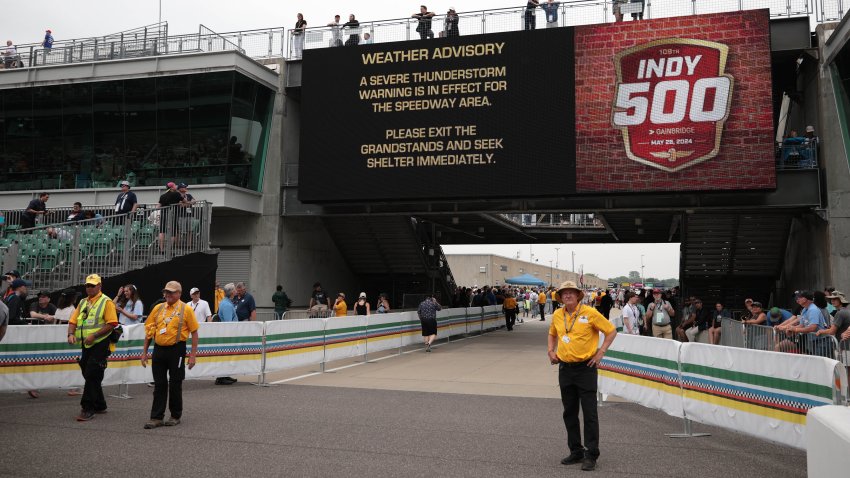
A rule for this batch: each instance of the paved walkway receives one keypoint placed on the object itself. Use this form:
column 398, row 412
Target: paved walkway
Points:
column 483, row 406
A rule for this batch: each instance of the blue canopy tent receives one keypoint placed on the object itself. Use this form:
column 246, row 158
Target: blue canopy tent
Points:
column 525, row 279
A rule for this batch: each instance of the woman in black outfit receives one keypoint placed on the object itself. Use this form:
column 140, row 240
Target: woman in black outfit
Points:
column 361, row 307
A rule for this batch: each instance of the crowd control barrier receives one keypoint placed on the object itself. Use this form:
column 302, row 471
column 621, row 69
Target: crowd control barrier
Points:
column 760, row 393
column 828, row 438
column 39, row 357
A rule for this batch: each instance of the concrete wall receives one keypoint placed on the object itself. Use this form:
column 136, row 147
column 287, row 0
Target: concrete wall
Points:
column 466, row 269
column 834, row 157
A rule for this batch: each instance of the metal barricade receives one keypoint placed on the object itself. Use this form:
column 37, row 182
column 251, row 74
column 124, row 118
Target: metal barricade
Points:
column 267, row 315
column 732, row 333
column 307, row 314
column 844, row 352
column 807, row 344
column 760, row 337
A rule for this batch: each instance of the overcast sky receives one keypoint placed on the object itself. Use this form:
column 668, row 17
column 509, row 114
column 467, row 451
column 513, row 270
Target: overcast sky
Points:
column 84, row 18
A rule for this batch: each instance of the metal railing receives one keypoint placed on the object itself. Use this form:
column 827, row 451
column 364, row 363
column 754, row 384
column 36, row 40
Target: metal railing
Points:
column 797, row 156
column 556, row 220
column 307, row 314
column 570, row 13
column 763, row 337
column 54, row 256
column 257, row 44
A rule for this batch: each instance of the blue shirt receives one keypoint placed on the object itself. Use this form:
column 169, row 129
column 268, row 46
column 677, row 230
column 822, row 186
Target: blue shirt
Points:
column 782, row 318
column 551, row 10
column 244, row 307
column 811, row 316
column 226, row 311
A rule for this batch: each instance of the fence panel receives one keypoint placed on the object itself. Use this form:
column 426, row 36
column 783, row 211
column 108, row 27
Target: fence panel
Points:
column 385, row 330
column 474, row 320
column 732, row 333
column 345, row 337
column 411, row 329
column 294, row 343
column 643, row 370
column 451, row 322
column 764, row 394
column 493, row 317
column 228, row 348
column 807, row 344
column 760, row 337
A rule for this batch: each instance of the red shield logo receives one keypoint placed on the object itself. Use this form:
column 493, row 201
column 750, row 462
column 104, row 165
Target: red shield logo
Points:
column 671, row 100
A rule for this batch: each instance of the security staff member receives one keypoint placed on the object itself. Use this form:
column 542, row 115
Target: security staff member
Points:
column 91, row 324
column 573, row 339
column 169, row 325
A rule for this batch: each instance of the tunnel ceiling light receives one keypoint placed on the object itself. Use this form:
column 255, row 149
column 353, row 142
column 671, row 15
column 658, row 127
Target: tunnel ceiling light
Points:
column 638, row 221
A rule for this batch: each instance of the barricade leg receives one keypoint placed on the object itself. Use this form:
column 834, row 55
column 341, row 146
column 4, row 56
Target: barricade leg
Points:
column 261, row 378
column 688, row 432
column 123, row 392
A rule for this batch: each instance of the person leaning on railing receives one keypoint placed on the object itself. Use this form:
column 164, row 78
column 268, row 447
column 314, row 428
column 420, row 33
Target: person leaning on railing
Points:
column 840, row 327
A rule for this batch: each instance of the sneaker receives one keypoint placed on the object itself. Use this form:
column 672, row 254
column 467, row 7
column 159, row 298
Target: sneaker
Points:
column 427, row 347
column 150, row 384
column 574, row 458
column 100, row 412
column 85, row 416
column 33, row 393
column 589, row 464
column 172, row 422
column 230, row 380
column 153, row 424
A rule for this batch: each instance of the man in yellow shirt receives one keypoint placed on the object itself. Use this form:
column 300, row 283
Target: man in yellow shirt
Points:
column 91, row 324
column 169, row 326
column 573, row 346
column 509, row 306
column 541, row 303
column 340, row 307
column 218, row 295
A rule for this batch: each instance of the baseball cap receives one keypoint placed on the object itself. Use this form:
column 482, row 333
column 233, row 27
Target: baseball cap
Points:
column 18, row 283
column 810, row 129
column 170, row 185
column 758, row 304
column 124, row 183
column 656, row 290
column 13, row 273
column 193, row 290
column 43, row 293
column 807, row 294
column 362, row 295
column 93, row 279
column 342, row 294
column 775, row 312
column 172, row 286
column 182, row 185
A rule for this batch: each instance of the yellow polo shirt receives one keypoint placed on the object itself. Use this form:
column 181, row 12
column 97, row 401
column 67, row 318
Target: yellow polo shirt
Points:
column 219, row 294
column 340, row 309
column 541, row 298
column 510, row 303
column 584, row 327
column 161, row 324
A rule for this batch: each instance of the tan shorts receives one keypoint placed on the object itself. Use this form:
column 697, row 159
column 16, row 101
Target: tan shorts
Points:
column 662, row 331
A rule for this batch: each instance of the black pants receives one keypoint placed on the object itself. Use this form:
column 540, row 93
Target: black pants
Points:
column 578, row 387
column 510, row 318
column 169, row 369
column 93, row 365
column 542, row 310
column 530, row 22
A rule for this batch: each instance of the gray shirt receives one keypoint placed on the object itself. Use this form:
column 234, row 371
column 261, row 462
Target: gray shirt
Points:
column 841, row 321
column 4, row 314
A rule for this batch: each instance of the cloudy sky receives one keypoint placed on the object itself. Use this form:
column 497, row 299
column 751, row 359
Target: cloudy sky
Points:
column 84, row 18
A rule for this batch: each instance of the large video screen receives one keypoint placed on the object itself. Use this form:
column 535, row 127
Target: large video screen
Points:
column 466, row 117
column 673, row 104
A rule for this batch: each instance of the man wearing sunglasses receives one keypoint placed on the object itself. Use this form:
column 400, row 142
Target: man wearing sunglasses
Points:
column 91, row 324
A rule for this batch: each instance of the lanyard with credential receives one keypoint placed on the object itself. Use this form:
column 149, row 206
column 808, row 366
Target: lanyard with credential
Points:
column 573, row 319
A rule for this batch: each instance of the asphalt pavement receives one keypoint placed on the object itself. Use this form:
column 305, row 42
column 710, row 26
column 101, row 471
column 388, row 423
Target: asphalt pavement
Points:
column 481, row 406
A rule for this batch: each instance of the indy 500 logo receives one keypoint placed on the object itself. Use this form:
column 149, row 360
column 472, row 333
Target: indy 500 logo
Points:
column 671, row 100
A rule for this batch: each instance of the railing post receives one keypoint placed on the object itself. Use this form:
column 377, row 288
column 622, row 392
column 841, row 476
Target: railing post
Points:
column 788, row 7
column 95, row 56
column 483, row 23
column 112, row 50
column 128, row 236
column 121, row 46
column 694, row 7
column 271, row 41
column 75, row 256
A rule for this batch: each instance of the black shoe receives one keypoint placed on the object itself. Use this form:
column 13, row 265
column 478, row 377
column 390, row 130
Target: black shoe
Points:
column 589, row 464
column 574, row 458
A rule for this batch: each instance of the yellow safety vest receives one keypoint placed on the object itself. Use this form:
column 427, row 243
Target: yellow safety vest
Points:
column 90, row 319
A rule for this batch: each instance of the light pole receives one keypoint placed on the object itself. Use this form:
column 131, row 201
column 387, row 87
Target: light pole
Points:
column 574, row 262
column 641, row 268
column 550, row 273
column 557, row 264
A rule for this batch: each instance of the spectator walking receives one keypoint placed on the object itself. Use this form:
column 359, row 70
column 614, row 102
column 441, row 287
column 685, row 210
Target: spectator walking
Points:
column 35, row 208
column 227, row 313
column 281, row 301
column 427, row 312
column 451, row 23
column 246, row 308
column 541, row 304
column 530, row 20
column 632, row 318
column 298, row 36
column 42, row 309
column 129, row 306
column 340, row 307
column 362, row 307
column 606, row 303
column 383, row 304
column 510, row 309
column 551, row 8
column 424, row 18
column 573, row 344
column 126, row 202
column 91, row 325
column 659, row 313
column 47, row 43
column 169, row 326
column 200, row 307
